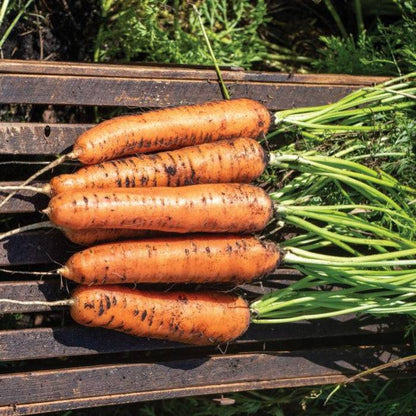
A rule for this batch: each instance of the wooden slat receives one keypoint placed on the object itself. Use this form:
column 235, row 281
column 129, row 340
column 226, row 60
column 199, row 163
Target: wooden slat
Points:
column 118, row 399
column 38, row 138
column 44, row 291
column 88, row 91
column 160, row 71
column 14, row 409
column 35, row 248
column 281, row 369
column 23, row 201
column 39, row 343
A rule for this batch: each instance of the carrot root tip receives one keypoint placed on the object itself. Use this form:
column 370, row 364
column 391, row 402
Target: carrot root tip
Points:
column 47, row 189
column 63, row 271
column 74, row 154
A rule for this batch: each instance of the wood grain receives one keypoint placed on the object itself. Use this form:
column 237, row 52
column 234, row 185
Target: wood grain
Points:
column 280, row 368
column 121, row 92
column 40, row 290
column 175, row 71
column 14, row 409
column 38, row 138
column 23, row 201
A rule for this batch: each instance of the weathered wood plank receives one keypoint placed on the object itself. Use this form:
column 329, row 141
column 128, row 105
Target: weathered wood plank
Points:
column 38, row 138
column 14, row 409
column 88, row 91
column 37, row 343
column 43, row 291
column 171, row 71
column 23, row 201
column 118, row 399
column 282, row 367
column 29, row 248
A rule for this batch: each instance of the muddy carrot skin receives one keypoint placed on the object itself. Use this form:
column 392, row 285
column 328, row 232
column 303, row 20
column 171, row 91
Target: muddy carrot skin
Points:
column 194, row 318
column 213, row 208
column 172, row 128
column 238, row 160
column 183, row 259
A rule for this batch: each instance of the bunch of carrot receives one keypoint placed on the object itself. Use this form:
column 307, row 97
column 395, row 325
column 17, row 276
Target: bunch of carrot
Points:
column 195, row 183
column 196, row 180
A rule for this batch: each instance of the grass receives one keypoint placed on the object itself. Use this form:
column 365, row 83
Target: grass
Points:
column 7, row 8
column 166, row 31
column 160, row 31
column 384, row 48
column 356, row 37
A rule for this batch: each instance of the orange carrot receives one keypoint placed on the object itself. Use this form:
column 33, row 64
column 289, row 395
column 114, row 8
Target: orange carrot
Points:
column 183, row 259
column 194, row 318
column 232, row 208
column 172, row 128
column 239, row 160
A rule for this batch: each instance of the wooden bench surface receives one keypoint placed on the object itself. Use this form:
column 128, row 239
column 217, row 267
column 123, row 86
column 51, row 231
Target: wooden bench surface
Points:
column 58, row 365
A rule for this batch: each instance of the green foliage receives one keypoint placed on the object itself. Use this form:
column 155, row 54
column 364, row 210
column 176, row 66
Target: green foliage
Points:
column 393, row 151
column 234, row 404
column 400, row 139
column 159, row 31
column 350, row 56
column 17, row 7
column 393, row 398
column 387, row 49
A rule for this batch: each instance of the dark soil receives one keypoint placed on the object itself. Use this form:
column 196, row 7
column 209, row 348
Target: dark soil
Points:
column 60, row 30
column 54, row 30
column 65, row 30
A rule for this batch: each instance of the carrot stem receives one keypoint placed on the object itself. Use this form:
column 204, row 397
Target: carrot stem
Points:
column 30, row 227
column 63, row 302
column 53, row 273
column 40, row 190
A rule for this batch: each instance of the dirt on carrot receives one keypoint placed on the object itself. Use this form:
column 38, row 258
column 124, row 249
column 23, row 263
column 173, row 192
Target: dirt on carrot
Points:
column 240, row 160
column 213, row 208
column 172, row 128
column 202, row 318
column 182, row 259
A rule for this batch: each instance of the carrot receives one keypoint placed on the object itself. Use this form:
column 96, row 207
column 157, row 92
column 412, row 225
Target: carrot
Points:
column 172, row 128
column 204, row 318
column 166, row 129
column 183, row 259
column 239, row 160
column 232, row 208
